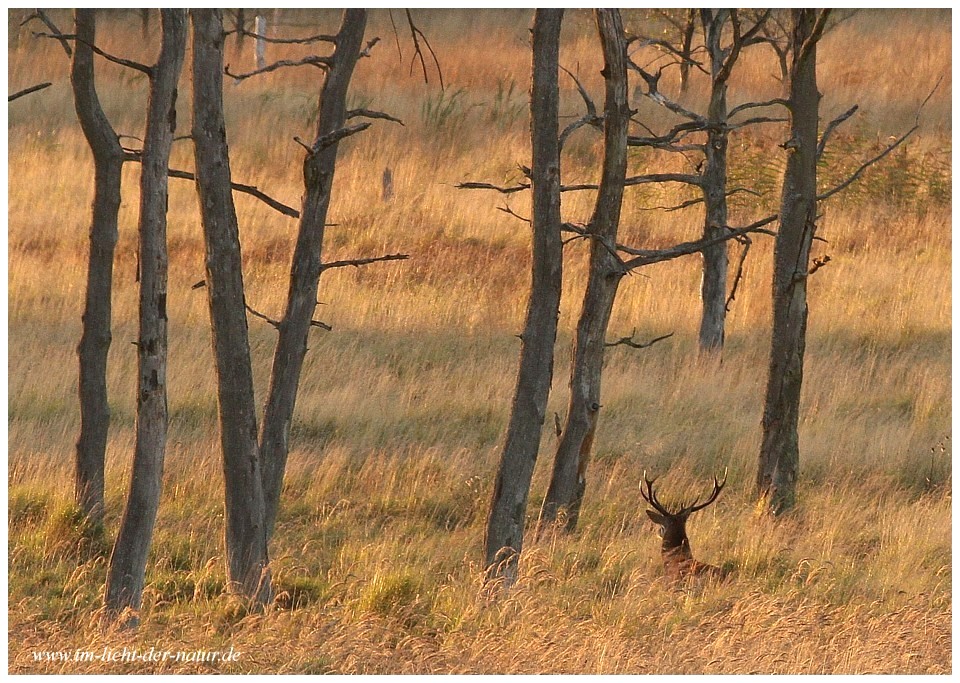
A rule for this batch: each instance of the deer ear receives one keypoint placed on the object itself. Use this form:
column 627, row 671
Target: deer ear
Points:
column 656, row 517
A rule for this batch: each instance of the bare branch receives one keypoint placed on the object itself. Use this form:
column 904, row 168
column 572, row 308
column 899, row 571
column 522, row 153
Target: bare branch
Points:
column 252, row 190
column 687, row 178
column 510, row 212
column 285, row 41
column 588, row 103
column 645, row 257
column 629, row 341
column 489, row 186
column 754, row 121
column 129, row 63
column 54, row 31
column 335, row 136
column 832, row 126
column 815, row 34
column 356, row 263
column 865, row 165
column 757, row 105
column 738, row 276
column 418, row 53
column 654, row 94
column 26, row 91
column 312, row 60
column 371, row 114
column 258, row 314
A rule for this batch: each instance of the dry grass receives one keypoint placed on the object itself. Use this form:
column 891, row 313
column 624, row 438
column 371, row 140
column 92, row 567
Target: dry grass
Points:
column 402, row 406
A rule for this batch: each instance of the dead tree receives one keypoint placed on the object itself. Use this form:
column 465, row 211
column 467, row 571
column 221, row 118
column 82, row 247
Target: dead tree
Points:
column 505, row 524
column 125, row 577
column 246, row 539
column 711, row 177
column 319, row 166
column 257, row 476
column 95, row 337
column 606, row 270
column 609, row 262
column 779, row 460
column 779, row 452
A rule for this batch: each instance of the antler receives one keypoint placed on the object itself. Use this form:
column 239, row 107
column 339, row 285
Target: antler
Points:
column 717, row 487
column 651, row 497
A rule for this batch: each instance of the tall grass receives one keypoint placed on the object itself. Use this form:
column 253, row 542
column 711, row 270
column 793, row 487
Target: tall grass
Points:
column 402, row 406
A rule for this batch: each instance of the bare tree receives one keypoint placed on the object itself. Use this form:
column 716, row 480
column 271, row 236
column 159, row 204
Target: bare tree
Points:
column 96, row 337
column 779, row 460
column 125, row 578
column 245, row 533
column 265, row 460
column 711, row 176
column 319, row 166
column 779, row 452
column 606, row 270
column 505, row 523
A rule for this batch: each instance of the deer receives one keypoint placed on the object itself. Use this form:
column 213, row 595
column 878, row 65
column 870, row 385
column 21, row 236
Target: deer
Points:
column 678, row 561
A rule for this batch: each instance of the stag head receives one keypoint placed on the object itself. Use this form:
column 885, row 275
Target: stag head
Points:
column 673, row 524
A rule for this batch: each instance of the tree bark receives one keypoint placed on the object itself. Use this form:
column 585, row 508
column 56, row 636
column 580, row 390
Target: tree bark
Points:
column 779, row 451
column 246, row 540
column 95, row 338
column 568, row 480
column 294, row 329
column 505, row 523
column 713, row 289
column 125, row 578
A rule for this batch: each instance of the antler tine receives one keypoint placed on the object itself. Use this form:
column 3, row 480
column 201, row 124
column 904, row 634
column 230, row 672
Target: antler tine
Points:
column 717, row 488
column 650, row 496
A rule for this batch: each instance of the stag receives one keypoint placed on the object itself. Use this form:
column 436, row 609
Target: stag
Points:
column 677, row 559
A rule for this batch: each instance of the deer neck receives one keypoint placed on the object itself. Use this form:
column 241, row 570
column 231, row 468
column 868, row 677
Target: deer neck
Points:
column 677, row 553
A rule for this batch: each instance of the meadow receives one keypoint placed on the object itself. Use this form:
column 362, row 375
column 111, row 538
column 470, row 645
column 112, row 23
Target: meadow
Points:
column 377, row 553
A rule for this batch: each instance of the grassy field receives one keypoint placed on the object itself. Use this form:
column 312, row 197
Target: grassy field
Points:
column 378, row 547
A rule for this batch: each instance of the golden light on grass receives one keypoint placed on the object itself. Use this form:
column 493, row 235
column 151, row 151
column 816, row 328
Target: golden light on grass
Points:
column 402, row 406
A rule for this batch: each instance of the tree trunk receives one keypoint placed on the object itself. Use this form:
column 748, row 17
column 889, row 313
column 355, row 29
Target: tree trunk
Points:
column 95, row 337
column 713, row 289
column 318, row 173
column 686, row 50
column 568, row 480
column 128, row 562
column 779, row 452
column 246, row 540
column 505, row 523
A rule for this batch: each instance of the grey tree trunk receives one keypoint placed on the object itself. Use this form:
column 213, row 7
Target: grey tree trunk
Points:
column 246, row 539
column 505, row 523
column 318, row 173
column 713, row 289
column 568, row 480
column 779, row 451
column 95, row 338
column 686, row 50
column 125, row 577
